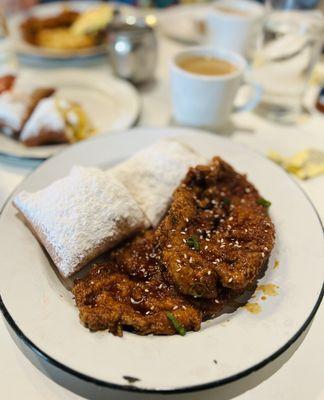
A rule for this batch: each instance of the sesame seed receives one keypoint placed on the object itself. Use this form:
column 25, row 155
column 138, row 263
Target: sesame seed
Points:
column 187, row 219
column 190, row 260
column 206, row 247
column 209, row 272
column 146, row 290
column 169, row 246
column 230, row 280
column 178, row 261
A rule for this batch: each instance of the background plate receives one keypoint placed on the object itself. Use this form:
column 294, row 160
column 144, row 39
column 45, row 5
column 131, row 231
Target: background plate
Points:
column 240, row 342
column 112, row 104
column 44, row 10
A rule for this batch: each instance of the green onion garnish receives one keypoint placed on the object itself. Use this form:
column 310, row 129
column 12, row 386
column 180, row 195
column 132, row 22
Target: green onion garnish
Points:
column 263, row 202
column 193, row 242
column 177, row 325
column 226, row 201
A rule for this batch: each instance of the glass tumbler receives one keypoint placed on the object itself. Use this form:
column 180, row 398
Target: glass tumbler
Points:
column 289, row 48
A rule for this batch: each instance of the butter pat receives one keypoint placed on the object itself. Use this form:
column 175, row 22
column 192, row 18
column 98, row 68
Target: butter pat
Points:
column 305, row 164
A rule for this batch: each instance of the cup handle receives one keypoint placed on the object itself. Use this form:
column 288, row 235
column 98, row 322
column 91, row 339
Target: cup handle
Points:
column 254, row 98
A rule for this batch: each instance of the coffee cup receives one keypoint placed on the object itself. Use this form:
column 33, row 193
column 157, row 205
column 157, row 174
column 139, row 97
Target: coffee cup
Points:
column 234, row 25
column 203, row 94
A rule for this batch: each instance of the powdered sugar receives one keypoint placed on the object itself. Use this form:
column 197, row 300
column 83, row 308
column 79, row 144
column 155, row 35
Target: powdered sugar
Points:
column 81, row 216
column 14, row 106
column 153, row 174
column 45, row 116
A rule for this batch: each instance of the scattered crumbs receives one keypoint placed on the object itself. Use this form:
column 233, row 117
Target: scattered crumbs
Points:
column 269, row 289
column 253, row 308
column 130, row 379
column 263, row 297
column 276, row 264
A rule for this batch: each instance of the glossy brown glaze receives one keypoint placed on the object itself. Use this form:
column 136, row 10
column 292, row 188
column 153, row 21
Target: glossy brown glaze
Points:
column 208, row 249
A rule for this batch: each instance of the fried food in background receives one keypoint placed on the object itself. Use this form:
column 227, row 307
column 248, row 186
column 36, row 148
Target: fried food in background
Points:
column 16, row 106
column 6, row 82
column 56, row 120
column 69, row 30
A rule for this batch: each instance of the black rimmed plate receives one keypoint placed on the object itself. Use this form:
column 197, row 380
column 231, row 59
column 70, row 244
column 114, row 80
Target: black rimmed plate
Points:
column 41, row 311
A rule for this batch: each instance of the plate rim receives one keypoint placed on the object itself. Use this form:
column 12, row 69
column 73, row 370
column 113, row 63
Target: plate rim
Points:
column 186, row 389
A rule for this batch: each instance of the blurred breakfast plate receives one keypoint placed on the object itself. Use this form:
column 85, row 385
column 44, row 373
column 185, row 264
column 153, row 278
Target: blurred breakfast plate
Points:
column 184, row 23
column 112, row 104
column 44, row 321
column 52, row 9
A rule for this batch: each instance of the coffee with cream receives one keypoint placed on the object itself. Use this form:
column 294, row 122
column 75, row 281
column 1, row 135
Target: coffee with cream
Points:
column 203, row 65
column 232, row 11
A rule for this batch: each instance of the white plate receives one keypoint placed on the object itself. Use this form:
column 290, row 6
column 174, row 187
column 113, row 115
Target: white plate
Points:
column 112, row 104
column 42, row 312
column 49, row 9
column 181, row 22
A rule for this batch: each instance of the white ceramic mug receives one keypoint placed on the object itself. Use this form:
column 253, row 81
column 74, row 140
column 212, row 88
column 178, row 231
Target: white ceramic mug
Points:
column 207, row 101
column 238, row 30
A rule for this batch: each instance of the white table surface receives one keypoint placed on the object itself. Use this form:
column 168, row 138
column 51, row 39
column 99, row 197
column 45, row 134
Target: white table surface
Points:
column 296, row 375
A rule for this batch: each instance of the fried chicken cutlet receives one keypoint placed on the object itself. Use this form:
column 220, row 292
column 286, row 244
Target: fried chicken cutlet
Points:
column 217, row 233
column 210, row 246
column 129, row 290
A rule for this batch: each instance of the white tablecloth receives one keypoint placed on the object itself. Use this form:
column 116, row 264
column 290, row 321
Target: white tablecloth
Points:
column 297, row 376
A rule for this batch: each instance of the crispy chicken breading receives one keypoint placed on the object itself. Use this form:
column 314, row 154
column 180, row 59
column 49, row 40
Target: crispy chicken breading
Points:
column 215, row 234
column 211, row 246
